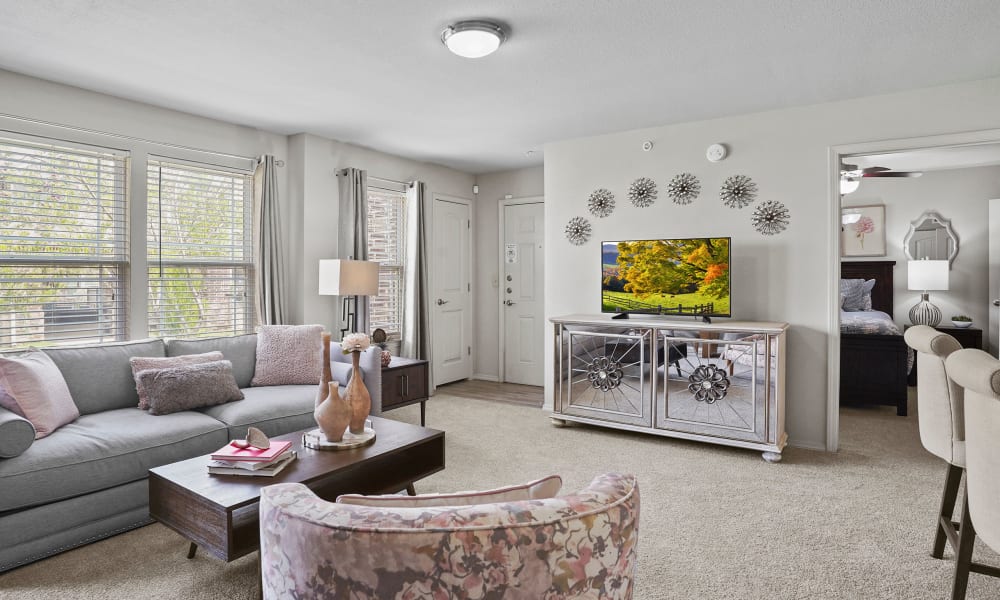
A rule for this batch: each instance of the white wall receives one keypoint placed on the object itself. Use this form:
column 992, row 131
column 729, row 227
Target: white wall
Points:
column 494, row 187
column 787, row 152
column 315, row 231
column 960, row 195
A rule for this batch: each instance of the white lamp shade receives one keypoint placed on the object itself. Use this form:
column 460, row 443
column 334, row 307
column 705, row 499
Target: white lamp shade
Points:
column 348, row 278
column 926, row 275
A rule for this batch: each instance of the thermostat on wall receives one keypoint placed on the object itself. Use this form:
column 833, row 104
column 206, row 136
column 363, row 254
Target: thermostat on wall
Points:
column 716, row 152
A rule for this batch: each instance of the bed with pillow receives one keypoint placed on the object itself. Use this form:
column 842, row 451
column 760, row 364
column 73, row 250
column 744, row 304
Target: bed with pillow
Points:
column 874, row 359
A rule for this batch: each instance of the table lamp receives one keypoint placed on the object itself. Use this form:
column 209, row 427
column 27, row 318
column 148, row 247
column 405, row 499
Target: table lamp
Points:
column 924, row 275
column 350, row 279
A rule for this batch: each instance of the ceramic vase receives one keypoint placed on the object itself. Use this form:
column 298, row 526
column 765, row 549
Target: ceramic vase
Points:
column 386, row 358
column 358, row 396
column 327, row 375
column 333, row 415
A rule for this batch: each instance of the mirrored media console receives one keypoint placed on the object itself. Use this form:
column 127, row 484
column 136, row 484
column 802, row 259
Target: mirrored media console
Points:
column 714, row 382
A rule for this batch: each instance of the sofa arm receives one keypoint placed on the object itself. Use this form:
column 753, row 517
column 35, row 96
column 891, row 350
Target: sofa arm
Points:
column 370, row 364
column 16, row 434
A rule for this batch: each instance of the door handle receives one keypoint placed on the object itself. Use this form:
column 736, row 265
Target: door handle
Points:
column 996, row 302
column 509, row 303
column 441, row 302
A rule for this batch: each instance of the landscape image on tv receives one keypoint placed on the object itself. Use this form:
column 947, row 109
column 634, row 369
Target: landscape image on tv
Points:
column 670, row 276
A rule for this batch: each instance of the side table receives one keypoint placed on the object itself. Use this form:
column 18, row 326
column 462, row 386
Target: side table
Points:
column 404, row 382
column 969, row 337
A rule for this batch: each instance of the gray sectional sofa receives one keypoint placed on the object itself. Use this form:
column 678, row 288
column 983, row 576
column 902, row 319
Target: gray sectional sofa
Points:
column 87, row 480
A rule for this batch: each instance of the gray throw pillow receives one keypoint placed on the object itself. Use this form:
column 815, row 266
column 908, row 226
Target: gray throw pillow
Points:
column 857, row 294
column 182, row 388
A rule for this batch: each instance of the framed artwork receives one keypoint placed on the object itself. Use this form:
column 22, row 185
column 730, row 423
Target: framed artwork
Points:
column 862, row 230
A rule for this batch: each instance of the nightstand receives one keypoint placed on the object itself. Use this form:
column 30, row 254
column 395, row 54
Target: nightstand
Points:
column 968, row 337
column 404, row 382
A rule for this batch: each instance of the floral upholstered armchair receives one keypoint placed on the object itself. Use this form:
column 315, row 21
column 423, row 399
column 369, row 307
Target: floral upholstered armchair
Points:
column 522, row 542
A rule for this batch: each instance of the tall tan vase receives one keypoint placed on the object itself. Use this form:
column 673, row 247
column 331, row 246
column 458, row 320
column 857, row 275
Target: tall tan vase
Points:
column 358, row 396
column 333, row 415
column 327, row 374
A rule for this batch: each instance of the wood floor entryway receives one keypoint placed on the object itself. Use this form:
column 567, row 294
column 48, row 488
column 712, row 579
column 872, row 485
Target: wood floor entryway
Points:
column 510, row 393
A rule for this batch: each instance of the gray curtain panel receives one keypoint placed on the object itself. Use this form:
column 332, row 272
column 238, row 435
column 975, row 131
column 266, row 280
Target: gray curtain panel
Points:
column 417, row 286
column 269, row 285
column 353, row 242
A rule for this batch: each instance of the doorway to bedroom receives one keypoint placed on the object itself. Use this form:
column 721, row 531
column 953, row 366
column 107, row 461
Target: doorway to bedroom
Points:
column 918, row 241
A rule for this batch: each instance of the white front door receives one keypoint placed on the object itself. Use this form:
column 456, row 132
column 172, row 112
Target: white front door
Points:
column 452, row 301
column 521, row 288
column 993, row 337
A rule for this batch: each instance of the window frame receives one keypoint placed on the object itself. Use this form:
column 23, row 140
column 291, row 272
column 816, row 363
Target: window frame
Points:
column 396, row 271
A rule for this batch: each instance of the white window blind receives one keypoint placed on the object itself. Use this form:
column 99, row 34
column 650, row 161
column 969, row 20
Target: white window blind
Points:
column 63, row 244
column 199, row 247
column 387, row 245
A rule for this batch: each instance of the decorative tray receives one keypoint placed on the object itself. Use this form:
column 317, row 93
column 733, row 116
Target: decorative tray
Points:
column 315, row 439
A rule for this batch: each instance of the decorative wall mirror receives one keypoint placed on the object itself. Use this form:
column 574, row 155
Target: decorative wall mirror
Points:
column 931, row 236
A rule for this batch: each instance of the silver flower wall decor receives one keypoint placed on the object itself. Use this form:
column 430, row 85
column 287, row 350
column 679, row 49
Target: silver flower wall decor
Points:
column 578, row 231
column 738, row 191
column 601, row 202
column 642, row 192
column 683, row 188
column 770, row 218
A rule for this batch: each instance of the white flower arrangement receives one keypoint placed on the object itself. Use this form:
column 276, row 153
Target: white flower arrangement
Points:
column 355, row 342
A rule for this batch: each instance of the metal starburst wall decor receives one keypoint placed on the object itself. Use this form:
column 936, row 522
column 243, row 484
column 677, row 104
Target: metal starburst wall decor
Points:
column 642, row 192
column 738, row 191
column 601, row 202
column 683, row 188
column 578, row 231
column 770, row 218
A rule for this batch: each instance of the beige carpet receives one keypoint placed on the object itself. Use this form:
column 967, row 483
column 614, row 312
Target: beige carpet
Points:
column 716, row 522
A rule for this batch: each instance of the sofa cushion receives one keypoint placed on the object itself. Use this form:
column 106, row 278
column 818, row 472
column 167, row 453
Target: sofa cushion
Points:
column 144, row 363
column 289, row 355
column 189, row 386
column 241, row 350
column 34, row 388
column 102, row 450
column 275, row 410
column 99, row 377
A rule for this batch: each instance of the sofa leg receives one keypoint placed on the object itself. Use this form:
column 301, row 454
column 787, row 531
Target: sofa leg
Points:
column 192, row 549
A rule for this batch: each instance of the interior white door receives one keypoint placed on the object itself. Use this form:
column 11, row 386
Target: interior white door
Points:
column 994, row 250
column 521, row 292
column 452, row 301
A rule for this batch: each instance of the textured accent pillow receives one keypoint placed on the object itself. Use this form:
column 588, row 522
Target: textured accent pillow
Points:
column 192, row 386
column 539, row 489
column 36, row 386
column 146, row 363
column 857, row 294
column 289, row 355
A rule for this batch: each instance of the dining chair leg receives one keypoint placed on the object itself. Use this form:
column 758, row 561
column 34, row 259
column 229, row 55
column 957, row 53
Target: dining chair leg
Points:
column 963, row 554
column 944, row 522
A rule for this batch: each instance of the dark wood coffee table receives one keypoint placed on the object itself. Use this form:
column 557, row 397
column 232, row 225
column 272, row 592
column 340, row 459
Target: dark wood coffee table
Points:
column 219, row 513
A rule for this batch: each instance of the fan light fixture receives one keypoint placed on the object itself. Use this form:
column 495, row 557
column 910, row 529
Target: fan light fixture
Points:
column 473, row 39
column 849, row 183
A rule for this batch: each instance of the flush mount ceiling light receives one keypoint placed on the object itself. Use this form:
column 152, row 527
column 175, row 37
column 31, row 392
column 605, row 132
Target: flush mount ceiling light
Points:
column 473, row 39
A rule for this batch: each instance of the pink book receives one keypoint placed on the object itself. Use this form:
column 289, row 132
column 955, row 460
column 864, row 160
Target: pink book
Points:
column 232, row 453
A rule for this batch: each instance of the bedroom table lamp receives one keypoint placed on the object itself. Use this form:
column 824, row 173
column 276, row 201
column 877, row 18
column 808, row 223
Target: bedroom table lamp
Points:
column 923, row 276
column 350, row 279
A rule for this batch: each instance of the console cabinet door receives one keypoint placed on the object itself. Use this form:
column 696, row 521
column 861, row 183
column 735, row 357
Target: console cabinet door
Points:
column 606, row 376
column 717, row 384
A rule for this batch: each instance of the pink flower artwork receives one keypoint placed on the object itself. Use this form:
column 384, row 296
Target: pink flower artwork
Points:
column 863, row 226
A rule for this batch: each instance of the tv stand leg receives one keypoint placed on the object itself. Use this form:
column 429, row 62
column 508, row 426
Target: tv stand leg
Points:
column 772, row 457
column 558, row 422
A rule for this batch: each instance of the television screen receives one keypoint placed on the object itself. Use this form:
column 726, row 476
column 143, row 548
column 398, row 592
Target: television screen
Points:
column 671, row 276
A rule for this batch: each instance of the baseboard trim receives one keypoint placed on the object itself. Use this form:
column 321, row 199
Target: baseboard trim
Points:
column 486, row 377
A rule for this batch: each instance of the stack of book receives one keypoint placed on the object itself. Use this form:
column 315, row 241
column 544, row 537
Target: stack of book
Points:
column 234, row 460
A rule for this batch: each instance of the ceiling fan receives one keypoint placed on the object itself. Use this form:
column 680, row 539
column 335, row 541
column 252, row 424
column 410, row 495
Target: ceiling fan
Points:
column 851, row 175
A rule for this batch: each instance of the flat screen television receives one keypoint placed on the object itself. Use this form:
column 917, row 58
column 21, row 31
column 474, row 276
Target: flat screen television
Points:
column 685, row 276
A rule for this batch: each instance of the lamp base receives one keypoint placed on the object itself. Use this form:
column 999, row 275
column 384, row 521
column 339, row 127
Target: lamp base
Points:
column 925, row 313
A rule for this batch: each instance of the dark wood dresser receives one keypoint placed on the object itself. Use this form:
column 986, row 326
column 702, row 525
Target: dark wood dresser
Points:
column 404, row 382
column 969, row 337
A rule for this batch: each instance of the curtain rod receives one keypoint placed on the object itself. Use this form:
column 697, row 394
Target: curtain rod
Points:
column 406, row 183
column 279, row 163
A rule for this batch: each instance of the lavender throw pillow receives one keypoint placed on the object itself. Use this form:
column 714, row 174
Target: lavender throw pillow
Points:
column 146, row 363
column 288, row 355
column 177, row 389
column 34, row 387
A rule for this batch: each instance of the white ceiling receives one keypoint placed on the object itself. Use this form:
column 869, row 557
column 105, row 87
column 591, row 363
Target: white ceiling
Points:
column 374, row 72
column 933, row 159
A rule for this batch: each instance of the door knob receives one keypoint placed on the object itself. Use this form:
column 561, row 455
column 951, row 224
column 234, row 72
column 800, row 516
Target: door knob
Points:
column 441, row 302
column 996, row 302
column 510, row 303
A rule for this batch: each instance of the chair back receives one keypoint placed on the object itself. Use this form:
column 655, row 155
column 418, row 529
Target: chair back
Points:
column 940, row 408
column 979, row 373
column 581, row 545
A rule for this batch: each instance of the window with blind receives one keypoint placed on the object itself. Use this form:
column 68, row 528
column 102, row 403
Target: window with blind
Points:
column 199, row 248
column 63, row 244
column 387, row 245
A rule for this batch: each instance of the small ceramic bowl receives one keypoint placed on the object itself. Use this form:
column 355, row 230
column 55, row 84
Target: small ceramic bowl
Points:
column 962, row 324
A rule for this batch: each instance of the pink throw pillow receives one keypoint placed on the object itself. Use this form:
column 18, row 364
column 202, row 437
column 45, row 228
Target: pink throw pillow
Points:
column 539, row 489
column 148, row 363
column 289, row 355
column 37, row 387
